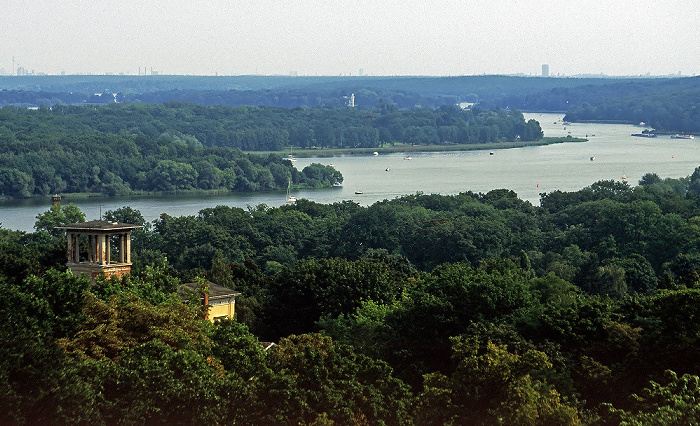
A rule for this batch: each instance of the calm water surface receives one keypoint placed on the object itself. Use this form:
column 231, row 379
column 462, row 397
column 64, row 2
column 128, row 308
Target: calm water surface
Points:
column 528, row 171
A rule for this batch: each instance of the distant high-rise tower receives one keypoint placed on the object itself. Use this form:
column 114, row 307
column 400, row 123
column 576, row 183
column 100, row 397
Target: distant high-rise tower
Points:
column 351, row 102
column 545, row 70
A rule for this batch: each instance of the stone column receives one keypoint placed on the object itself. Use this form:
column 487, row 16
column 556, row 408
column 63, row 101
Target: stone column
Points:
column 108, row 249
column 105, row 249
column 69, row 250
column 122, row 249
column 100, row 250
column 127, row 247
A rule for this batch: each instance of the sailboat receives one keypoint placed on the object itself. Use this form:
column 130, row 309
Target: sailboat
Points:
column 290, row 157
column 290, row 199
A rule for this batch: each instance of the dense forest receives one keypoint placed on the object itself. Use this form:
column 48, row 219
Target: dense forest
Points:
column 675, row 111
column 568, row 97
column 427, row 309
column 119, row 148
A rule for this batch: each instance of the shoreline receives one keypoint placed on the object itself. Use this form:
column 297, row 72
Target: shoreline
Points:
column 332, row 152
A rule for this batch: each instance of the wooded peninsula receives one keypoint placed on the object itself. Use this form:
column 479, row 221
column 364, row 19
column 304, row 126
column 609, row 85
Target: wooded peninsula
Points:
column 120, row 148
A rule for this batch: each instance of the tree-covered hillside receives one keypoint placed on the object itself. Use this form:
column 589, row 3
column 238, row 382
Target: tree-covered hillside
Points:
column 427, row 309
column 666, row 102
column 673, row 111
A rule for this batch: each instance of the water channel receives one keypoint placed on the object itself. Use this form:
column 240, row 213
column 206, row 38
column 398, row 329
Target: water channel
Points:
column 610, row 153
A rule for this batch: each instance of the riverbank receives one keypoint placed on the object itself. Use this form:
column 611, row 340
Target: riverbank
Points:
column 69, row 197
column 332, row 152
column 76, row 196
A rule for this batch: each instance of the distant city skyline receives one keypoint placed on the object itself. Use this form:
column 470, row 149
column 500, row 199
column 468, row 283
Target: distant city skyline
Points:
column 321, row 37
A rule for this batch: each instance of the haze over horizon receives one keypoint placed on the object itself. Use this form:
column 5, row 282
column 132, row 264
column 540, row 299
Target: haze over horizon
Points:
column 269, row 37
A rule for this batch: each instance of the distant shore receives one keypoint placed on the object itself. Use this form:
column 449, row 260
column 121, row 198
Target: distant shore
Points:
column 331, row 152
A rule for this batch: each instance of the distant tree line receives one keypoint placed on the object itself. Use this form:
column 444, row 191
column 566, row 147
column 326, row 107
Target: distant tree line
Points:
column 667, row 111
column 287, row 91
column 271, row 128
column 289, row 98
column 307, row 97
column 665, row 102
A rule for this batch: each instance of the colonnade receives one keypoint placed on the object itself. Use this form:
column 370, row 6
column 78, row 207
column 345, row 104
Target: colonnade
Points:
column 99, row 249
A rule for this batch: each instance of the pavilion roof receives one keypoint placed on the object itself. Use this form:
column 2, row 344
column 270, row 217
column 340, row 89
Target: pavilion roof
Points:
column 215, row 290
column 99, row 225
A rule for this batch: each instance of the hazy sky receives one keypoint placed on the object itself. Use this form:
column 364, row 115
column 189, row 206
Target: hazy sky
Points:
column 329, row 37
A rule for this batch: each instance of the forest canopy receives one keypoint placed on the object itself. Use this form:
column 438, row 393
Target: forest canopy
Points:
column 475, row 308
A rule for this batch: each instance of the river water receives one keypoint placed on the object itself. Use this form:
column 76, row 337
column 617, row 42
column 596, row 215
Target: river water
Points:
column 528, row 171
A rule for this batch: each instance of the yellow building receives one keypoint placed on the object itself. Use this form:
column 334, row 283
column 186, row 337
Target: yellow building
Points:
column 220, row 300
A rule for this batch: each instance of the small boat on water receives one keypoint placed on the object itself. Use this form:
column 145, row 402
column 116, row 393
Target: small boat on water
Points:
column 682, row 136
column 408, row 157
column 358, row 192
column 592, row 158
column 491, row 153
column 375, row 153
column 290, row 157
column 644, row 135
column 290, row 199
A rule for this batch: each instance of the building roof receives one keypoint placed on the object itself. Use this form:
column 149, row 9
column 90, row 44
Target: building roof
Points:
column 215, row 290
column 99, row 225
